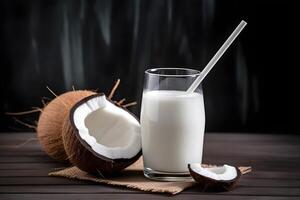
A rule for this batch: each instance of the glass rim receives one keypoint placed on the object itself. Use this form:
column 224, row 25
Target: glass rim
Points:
column 194, row 72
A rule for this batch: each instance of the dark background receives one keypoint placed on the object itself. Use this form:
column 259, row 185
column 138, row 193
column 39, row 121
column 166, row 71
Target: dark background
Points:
column 89, row 44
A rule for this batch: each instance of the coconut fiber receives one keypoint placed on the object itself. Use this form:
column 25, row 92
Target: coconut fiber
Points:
column 132, row 177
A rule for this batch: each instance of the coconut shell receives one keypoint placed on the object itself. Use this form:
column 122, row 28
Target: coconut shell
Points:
column 81, row 154
column 50, row 123
column 208, row 184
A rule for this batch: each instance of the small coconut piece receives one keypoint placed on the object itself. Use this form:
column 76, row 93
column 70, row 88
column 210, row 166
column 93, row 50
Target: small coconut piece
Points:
column 101, row 137
column 220, row 178
column 49, row 128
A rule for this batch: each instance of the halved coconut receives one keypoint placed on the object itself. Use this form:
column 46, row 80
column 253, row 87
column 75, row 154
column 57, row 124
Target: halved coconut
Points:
column 101, row 137
column 215, row 178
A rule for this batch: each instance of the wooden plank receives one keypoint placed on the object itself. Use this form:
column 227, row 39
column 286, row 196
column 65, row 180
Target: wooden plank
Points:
column 252, row 137
column 41, row 181
column 138, row 196
column 211, row 157
column 290, row 175
column 17, row 135
column 27, row 159
column 241, row 151
column 17, row 148
column 259, row 165
column 258, row 191
column 24, row 172
column 65, row 189
column 269, row 183
column 245, row 150
column 288, row 152
column 217, row 137
column 207, row 156
column 210, row 148
column 100, row 189
column 295, row 175
column 211, row 153
column 244, row 147
column 22, row 153
column 31, row 166
column 64, row 181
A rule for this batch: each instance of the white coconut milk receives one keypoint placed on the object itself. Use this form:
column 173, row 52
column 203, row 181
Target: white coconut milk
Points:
column 172, row 129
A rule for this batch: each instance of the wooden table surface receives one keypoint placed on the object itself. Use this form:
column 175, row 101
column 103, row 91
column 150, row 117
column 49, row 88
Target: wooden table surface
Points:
column 274, row 158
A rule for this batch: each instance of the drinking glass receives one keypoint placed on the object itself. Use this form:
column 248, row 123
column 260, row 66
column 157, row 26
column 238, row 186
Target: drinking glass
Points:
column 172, row 123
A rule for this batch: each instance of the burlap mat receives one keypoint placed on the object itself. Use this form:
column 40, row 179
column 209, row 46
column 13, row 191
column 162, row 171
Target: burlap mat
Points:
column 132, row 177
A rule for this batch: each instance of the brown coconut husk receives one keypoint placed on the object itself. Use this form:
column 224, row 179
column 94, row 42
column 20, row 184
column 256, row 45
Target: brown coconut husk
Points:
column 49, row 127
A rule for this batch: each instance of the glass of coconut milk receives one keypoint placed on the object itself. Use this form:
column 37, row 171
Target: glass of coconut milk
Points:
column 172, row 123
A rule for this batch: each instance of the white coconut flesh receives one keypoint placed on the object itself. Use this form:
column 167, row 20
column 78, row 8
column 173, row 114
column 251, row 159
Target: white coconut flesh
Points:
column 108, row 129
column 222, row 173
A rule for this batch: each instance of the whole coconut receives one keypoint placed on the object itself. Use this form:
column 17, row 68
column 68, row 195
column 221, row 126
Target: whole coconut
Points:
column 50, row 123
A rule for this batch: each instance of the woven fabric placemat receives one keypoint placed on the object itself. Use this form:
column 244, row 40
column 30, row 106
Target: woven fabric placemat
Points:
column 133, row 177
